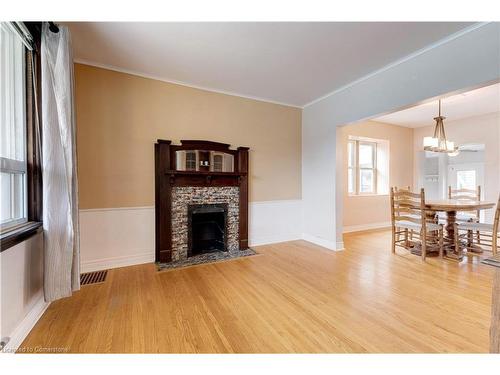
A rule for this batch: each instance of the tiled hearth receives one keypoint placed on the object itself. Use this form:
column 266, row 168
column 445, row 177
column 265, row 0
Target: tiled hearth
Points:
column 207, row 258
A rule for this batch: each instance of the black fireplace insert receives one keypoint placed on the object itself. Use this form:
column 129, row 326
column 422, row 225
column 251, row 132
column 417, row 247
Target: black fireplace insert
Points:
column 207, row 231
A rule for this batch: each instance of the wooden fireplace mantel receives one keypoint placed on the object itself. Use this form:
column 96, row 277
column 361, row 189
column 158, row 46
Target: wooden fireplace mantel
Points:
column 167, row 177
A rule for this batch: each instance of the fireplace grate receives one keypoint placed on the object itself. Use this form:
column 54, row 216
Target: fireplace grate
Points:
column 93, row 277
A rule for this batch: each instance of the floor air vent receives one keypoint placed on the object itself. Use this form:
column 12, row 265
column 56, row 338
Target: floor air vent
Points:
column 93, row 277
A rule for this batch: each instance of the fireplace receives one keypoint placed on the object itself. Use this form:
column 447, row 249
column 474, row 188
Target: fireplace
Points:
column 201, row 199
column 207, row 228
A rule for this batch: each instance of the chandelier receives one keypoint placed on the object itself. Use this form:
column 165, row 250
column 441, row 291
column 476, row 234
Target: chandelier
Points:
column 438, row 142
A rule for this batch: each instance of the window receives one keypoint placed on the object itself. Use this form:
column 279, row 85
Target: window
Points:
column 20, row 172
column 351, row 167
column 466, row 179
column 13, row 166
column 367, row 166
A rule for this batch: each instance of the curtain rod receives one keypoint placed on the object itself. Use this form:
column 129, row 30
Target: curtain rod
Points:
column 53, row 27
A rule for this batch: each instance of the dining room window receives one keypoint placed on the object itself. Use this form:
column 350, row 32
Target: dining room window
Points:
column 351, row 167
column 466, row 179
column 367, row 166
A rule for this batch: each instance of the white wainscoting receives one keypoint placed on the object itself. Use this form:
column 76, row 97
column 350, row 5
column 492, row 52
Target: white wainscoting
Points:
column 116, row 237
column 274, row 221
column 119, row 237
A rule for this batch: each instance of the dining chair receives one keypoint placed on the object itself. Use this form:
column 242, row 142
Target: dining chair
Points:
column 406, row 188
column 470, row 235
column 408, row 213
column 466, row 195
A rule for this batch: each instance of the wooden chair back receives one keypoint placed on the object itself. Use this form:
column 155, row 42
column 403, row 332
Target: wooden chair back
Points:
column 406, row 188
column 466, row 195
column 408, row 206
column 497, row 217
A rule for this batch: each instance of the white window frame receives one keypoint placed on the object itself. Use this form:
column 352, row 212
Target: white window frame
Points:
column 352, row 167
column 13, row 168
column 14, row 121
column 356, row 169
column 474, row 185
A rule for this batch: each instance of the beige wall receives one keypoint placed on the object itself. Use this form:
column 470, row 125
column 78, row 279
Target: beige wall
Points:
column 120, row 116
column 372, row 210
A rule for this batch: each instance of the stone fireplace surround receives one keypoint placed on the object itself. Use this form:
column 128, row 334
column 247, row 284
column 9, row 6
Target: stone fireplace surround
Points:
column 184, row 196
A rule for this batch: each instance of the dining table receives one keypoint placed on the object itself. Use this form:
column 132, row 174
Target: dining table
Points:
column 451, row 207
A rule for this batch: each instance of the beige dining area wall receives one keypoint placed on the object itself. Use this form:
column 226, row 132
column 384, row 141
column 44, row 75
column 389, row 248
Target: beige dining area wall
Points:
column 120, row 116
column 373, row 211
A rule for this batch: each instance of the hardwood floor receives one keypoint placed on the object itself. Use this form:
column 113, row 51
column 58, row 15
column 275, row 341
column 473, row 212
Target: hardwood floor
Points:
column 294, row 297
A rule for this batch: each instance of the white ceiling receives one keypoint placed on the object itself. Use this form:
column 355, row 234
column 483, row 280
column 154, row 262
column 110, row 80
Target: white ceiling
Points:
column 468, row 104
column 291, row 62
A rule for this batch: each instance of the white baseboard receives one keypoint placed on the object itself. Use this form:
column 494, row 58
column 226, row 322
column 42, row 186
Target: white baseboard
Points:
column 26, row 325
column 273, row 239
column 359, row 228
column 117, row 262
column 330, row 245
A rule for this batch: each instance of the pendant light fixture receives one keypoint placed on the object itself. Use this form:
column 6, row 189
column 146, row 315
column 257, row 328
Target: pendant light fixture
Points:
column 439, row 143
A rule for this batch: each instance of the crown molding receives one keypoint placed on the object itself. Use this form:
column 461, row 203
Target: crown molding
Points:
column 180, row 83
column 436, row 44
column 421, row 51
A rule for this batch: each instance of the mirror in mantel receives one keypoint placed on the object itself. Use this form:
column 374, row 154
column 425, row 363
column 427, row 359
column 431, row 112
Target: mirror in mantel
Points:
column 204, row 161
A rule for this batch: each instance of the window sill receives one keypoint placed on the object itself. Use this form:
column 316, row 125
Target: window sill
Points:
column 17, row 235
